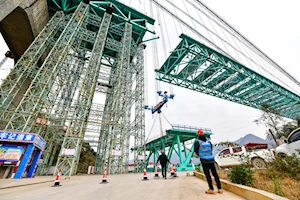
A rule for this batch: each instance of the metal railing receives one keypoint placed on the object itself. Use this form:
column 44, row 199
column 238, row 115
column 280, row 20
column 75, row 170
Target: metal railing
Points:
column 190, row 128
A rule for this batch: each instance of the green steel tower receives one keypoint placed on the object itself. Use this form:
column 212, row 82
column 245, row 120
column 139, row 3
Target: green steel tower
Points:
column 90, row 49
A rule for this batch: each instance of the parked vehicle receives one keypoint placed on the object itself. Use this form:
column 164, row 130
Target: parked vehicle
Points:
column 291, row 145
column 255, row 154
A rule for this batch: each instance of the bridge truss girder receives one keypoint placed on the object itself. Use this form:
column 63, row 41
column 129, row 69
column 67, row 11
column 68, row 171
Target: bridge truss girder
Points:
column 180, row 139
column 197, row 67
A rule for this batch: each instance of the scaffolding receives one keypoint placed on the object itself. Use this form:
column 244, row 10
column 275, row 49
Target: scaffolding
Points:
column 95, row 49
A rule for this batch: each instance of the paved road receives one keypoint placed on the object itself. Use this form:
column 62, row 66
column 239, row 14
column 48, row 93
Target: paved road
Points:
column 120, row 187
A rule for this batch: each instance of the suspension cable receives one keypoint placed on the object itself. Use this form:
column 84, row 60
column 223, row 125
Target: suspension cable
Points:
column 164, row 43
column 191, row 28
column 255, row 48
column 151, row 129
column 222, row 51
column 155, row 66
column 155, row 56
column 166, row 119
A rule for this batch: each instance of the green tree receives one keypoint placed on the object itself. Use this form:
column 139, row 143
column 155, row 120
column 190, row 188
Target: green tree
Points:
column 286, row 129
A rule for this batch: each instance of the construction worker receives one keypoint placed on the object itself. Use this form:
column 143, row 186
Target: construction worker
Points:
column 163, row 162
column 203, row 148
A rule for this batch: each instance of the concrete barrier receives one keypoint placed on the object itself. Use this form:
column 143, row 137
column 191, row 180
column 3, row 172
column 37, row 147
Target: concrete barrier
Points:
column 244, row 191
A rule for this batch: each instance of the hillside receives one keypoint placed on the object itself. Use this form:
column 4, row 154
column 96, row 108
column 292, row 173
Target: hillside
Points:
column 249, row 138
column 87, row 158
column 244, row 140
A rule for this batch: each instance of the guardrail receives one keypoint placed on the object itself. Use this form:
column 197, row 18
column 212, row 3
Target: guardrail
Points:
column 190, row 128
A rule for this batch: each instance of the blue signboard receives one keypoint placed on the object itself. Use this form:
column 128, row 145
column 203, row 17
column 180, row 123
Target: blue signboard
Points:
column 10, row 153
column 37, row 140
column 40, row 142
column 17, row 137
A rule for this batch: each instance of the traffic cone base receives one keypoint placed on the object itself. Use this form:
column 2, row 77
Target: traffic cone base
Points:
column 57, row 179
column 156, row 173
column 103, row 182
column 145, row 175
column 56, row 184
column 104, row 179
column 173, row 171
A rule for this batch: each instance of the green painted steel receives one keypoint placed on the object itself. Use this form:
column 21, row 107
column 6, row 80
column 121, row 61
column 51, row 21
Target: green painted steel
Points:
column 31, row 104
column 86, row 49
column 121, row 9
column 26, row 66
column 76, row 130
column 180, row 140
column 197, row 67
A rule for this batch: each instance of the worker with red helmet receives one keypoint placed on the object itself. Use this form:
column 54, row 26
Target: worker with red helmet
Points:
column 203, row 148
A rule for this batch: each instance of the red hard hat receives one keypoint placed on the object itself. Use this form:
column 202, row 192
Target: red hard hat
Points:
column 200, row 132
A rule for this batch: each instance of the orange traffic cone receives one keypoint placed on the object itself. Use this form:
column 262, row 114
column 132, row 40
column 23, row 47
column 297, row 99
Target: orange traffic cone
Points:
column 145, row 175
column 104, row 179
column 57, row 179
column 172, row 169
column 156, row 172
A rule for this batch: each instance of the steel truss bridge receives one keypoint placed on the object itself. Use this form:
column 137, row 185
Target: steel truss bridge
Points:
column 92, row 50
column 177, row 140
column 195, row 66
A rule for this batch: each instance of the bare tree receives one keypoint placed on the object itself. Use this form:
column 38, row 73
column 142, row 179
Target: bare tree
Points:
column 271, row 119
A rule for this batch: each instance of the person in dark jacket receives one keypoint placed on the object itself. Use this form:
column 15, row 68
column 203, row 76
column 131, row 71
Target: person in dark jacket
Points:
column 203, row 148
column 163, row 162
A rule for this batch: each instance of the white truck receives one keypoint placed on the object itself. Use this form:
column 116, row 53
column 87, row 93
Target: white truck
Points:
column 255, row 154
column 291, row 145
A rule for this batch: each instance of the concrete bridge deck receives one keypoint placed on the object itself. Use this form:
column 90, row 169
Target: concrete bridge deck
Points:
column 120, row 187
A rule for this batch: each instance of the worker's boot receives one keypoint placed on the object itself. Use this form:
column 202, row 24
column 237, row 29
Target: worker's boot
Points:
column 209, row 191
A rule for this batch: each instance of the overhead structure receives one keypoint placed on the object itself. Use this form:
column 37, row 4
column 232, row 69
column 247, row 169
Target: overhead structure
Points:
column 178, row 139
column 92, row 49
column 195, row 66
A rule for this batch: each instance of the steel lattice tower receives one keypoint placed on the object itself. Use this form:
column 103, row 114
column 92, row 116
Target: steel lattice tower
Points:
column 96, row 48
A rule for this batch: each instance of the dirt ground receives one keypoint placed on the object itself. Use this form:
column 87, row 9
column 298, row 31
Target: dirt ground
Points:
column 287, row 187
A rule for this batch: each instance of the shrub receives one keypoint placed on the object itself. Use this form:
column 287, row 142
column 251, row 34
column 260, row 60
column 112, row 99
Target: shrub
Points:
column 286, row 166
column 198, row 169
column 241, row 175
column 276, row 182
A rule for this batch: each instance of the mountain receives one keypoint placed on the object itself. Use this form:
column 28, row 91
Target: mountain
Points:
column 271, row 143
column 250, row 138
column 244, row 140
column 217, row 149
